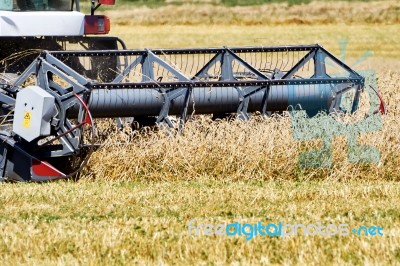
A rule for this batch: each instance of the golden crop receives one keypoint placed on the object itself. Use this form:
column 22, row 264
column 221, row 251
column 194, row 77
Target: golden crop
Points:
column 133, row 202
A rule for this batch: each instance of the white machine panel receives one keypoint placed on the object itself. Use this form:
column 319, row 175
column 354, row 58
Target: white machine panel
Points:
column 41, row 23
column 34, row 109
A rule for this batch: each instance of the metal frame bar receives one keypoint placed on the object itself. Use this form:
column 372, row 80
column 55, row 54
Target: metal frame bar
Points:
column 184, row 85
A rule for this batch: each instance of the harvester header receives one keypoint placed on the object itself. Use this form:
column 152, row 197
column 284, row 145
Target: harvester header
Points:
column 78, row 78
column 74, row 87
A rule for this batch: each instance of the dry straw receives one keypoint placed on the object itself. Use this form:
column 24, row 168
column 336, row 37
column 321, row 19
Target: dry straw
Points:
column 262, row 148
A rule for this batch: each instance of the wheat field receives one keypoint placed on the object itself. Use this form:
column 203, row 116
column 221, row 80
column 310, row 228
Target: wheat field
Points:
column 133, row 202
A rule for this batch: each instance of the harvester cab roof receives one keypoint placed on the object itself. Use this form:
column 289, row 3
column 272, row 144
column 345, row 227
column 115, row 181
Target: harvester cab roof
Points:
column 24, row 18
column 48, row 5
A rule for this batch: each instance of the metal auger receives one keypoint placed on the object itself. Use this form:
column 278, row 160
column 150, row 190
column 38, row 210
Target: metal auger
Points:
column 44, row 140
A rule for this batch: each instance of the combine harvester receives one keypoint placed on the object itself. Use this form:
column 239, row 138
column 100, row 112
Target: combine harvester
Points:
column 79, row 77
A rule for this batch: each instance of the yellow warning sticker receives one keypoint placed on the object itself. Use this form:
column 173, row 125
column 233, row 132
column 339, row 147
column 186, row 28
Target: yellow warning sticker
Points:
column 27, row 119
